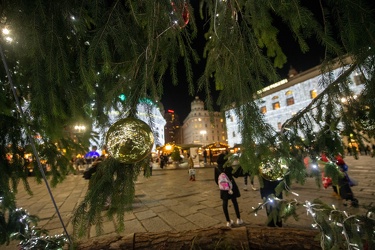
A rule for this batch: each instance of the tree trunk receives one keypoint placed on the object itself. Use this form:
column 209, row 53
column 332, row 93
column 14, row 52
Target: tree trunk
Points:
column 210, row 238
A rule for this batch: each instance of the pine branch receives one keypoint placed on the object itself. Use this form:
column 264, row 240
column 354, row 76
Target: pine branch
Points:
column 328, row 89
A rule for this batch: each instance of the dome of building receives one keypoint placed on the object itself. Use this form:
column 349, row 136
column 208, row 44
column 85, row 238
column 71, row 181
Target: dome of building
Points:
column 197, row 104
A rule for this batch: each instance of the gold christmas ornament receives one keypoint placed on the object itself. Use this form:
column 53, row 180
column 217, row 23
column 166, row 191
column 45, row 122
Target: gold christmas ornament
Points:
column 274, row 169
column 129, row 140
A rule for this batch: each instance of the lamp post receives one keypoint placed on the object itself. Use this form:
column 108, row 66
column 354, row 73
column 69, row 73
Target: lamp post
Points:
column 203, row 133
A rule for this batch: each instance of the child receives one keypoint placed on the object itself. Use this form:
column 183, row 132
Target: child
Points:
column 191, row 168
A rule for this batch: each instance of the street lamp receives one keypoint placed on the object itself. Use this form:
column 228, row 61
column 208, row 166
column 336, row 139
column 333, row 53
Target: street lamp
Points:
column 203, row 133
column 80, row 128
column 6, row 34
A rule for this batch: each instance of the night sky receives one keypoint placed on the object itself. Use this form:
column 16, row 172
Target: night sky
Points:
column 178, row 99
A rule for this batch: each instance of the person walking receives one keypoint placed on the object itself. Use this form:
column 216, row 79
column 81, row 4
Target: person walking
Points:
column 205, row 156
column 231, row 194
column 251, row 182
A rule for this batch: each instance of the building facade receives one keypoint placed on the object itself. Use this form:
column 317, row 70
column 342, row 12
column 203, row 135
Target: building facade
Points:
column 172, row 126
column 281, row 100
column 147, row 111
column 203, row 127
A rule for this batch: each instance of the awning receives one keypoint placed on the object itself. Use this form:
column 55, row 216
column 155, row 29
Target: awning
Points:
column 185, row 146
column 217, row 146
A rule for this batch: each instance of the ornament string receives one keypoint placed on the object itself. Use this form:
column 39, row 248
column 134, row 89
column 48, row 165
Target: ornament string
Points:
column 32, row 143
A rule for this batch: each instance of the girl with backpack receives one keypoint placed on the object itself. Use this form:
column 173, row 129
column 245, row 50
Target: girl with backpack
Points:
column 230, row 193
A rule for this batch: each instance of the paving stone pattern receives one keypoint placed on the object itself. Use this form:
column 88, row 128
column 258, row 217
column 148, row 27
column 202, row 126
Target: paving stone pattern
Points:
column 168, row 201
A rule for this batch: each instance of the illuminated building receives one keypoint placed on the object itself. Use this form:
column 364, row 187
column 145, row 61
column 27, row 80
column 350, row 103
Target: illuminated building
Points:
column 198, row 128
column 283, row 99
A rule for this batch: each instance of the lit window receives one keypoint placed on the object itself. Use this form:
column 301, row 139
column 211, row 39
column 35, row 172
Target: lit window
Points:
column 275, row 105
column 289, row 101
column 263, row 109
column 289, row 92
column 359, row 79
column 313, row 94
column 275, row 97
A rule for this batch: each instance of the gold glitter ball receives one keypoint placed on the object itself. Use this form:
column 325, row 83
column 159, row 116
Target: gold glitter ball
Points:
column 129, row 140
column 274, row 169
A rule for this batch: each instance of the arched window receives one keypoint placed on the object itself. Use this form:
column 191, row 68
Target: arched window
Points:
column 289, row 92
column 275, row 97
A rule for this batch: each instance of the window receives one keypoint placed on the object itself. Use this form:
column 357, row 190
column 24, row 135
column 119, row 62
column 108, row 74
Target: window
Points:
column 275, row 97
column 359, row 79
column 290, row 101
column 279, row 125
column 313, row 94
column 263, row 110
column 289, row 92
column 231, row 118
column 234, row 134
column 275, row 105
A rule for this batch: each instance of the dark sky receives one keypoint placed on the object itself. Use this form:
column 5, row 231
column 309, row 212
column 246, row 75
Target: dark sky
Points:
column 178, row 99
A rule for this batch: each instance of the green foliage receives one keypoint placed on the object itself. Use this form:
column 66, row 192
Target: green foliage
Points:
column 341, row 230
column 176, row 154
column 338, row 229
column 17, row 224
column 332, row 170
column 111, row 188
column 70, row 60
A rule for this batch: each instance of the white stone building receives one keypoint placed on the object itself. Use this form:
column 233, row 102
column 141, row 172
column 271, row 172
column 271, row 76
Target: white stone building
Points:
column 148, row 112
column 281, row 100
column 198, row 128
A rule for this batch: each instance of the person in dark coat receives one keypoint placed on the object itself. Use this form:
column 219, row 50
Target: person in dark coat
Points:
column 228, row 195
column 269, row 187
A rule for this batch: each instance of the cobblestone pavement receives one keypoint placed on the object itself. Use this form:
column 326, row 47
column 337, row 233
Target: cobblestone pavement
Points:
column 168, row 201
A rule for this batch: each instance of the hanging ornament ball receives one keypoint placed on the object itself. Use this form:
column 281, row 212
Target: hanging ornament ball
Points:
column 180, row 15
column 274, row 169
column 129, row 140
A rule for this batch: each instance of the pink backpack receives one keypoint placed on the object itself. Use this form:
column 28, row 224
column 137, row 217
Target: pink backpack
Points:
column 224, row 182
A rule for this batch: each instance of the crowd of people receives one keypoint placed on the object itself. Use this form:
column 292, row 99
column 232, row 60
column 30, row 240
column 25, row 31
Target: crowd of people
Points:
column 353, row 150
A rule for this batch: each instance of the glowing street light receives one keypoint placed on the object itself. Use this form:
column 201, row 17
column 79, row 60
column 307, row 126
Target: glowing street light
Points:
column 80, row 128
column 6, row 33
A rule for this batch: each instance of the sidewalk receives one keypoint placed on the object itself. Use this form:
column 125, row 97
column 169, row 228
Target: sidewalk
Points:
column 168, row 201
